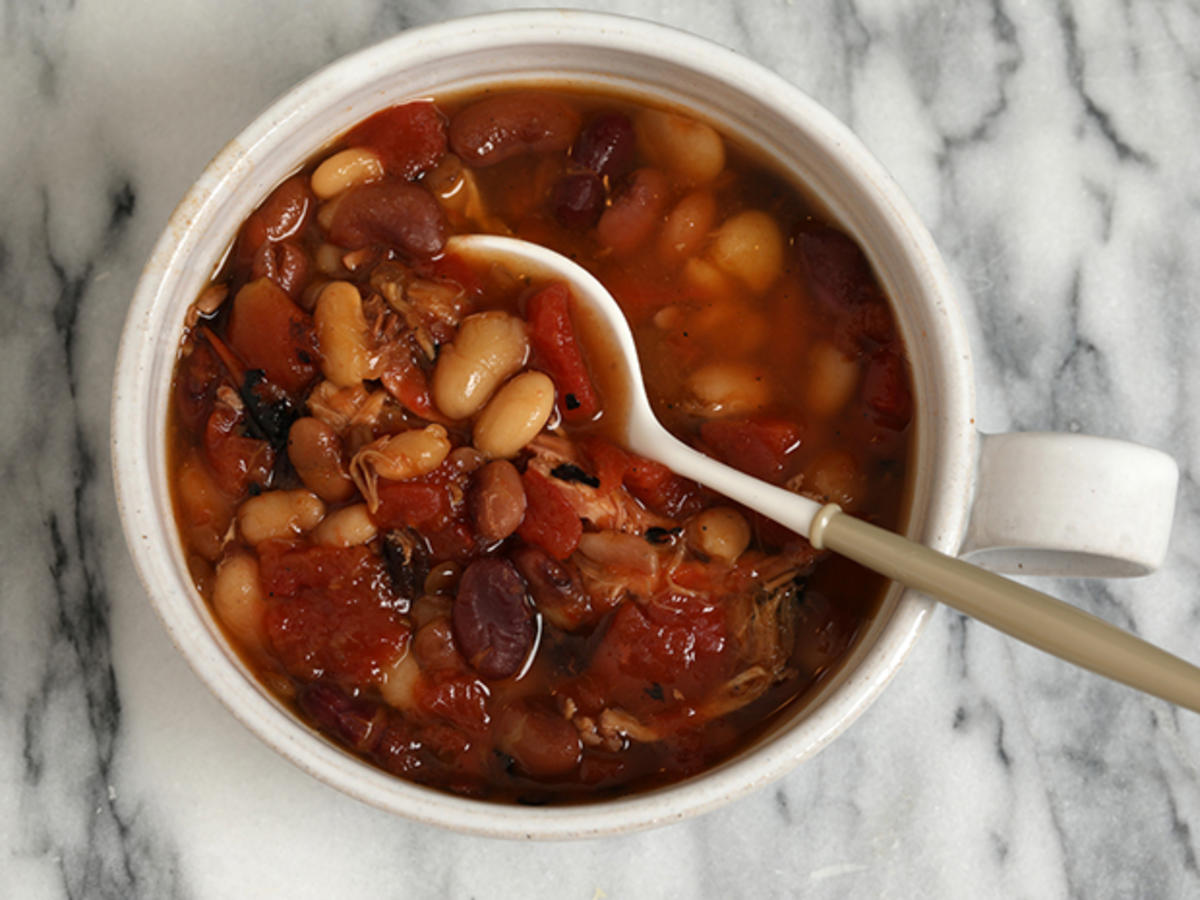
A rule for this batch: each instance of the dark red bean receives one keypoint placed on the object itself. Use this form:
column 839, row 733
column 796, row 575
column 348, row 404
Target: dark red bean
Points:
column 282, row 215
column 885, row 389
column 539, row 739
column 631, row 219
column 497, row 128
column 493, row 623
column 578, row 200
column 392, row 213
column 284, row 263
column 497, row 500
column 839, row 275
column 556, row 588
column 606, row 145
column 354, row 721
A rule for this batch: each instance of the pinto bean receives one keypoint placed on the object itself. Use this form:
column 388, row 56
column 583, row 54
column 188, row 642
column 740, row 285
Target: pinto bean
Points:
column 489, row 347
column 515, row 416
column 718, row 533
column 344, row 170
column 749, row 246
column 681, row 145
column 496, row 128
column 497, row 500
column 205, row 510
column 434, row 647
column 279, row 514
column 342, row 334
column 631, row 219
column 556, row 588
column 315, row 451
column 350, row 526
column 393, row 213
column 542, row 742
column 239, row 601
column 493, row 624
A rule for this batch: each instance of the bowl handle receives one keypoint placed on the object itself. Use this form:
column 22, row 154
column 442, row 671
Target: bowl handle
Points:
column 1070, row 505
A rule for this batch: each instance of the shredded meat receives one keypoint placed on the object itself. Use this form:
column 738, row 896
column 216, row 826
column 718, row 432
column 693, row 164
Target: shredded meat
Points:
column 614, row 511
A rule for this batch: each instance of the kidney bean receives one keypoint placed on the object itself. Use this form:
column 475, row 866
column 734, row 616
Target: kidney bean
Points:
column 839, row 275
column 541, row 741
column 354, row 721
column 885, row 388
column 556, row 588
column 631, row 219
column 506, row 125
column 606, row 145
column 282, row 215
column 396, row 213
column 497, row 500
column 577, row 200
column 284, row 263
column 493, row 624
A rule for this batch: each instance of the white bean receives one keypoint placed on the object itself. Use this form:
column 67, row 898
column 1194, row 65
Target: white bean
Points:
column 835, row 477
column 347, row 527
column 687, row 226
column 398, row 686
column 718, row 533
column 515, row 416
column 279, row 514
column 342, row 334
column 239, row 602
column 832, row 378
column 683, row 145
column 728, row 389
column 344, row 170
column 749, row 246
column 489, row 347
column 708, row 280
column 398, row 457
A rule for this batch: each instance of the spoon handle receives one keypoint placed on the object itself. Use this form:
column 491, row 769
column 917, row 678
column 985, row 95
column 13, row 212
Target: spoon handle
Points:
column 1028, row 615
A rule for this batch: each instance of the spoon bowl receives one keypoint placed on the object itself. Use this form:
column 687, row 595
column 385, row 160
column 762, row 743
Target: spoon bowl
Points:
column 1020, row 611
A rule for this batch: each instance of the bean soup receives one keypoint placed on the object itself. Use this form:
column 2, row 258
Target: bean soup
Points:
column 398, row 484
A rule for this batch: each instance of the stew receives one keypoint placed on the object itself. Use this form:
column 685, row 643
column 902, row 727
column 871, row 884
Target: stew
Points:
column 397, row 482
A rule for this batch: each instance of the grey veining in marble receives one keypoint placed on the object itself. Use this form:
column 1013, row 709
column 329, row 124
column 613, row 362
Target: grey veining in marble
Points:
column 1052, row 149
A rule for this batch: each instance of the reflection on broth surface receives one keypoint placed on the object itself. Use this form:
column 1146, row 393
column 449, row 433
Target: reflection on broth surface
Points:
column 398, row 485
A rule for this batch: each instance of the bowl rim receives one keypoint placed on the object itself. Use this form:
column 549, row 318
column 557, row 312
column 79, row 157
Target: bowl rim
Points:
column 133, row 444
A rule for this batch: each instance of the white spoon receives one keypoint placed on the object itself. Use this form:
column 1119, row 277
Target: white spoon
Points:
column 1028, row 615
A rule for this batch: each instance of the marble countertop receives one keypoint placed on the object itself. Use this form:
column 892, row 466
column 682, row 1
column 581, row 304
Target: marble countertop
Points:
column 1052, row 149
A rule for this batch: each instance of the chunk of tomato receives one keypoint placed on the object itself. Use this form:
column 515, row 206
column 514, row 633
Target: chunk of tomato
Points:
column 657, row 651
column 409, row 138
column 550, row 521
column 331, row 612
column 660, row 489
column 759, row 447
column 554, row 341
column 270, row 332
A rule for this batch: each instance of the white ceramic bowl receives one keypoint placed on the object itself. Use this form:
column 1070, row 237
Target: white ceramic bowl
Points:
column 612, row 53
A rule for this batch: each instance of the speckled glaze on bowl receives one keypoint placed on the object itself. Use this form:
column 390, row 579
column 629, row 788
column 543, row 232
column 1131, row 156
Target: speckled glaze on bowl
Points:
column 563, row 48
